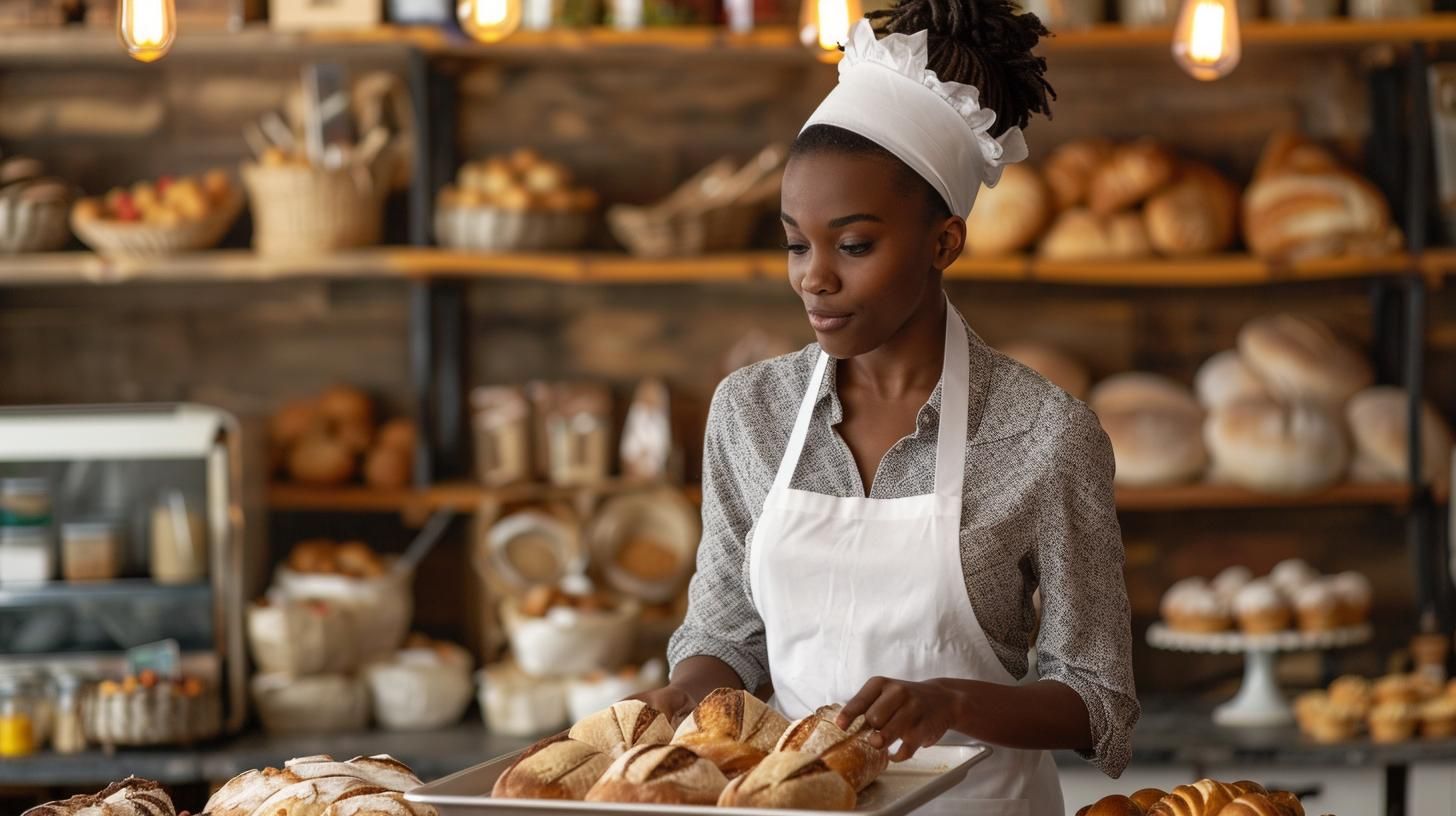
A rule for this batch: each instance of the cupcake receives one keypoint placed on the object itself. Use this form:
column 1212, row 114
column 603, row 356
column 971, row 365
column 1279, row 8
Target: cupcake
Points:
column 1315, row 608
column 1261, row 608
column 1438, row 718
column 1425, row 687
column 1292, row 574
column 1393, row 722
column 1352, row 691
column 1307, row 706
column 1326, row 721
column 1394, row 688
column 1191, row 605
column 1228, row 583
column 1352, row 592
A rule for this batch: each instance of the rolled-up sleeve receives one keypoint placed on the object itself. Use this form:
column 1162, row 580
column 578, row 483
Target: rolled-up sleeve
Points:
column 1086, row 632
column 721, row 620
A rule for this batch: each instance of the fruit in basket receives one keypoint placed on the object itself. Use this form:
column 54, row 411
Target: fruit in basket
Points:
column 169, row 201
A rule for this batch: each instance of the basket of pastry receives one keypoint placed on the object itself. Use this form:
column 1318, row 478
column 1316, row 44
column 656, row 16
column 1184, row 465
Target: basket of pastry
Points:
column 714, row 211
column 146, row 709
column 33, row 207
column 425, row 685
column 152, row 219
column 335, row 436
column 515, row 203
column 300, row 207
column 567, row 631
column 1206, row 797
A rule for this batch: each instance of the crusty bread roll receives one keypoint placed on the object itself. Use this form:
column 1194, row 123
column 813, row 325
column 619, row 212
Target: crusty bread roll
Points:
column 1061, row 369
column 1379, row 424
column 1196, row 215
column 1224, row 378
column 245, row 793
column 138, row 797
column 1265, row 445
column 1141, row 391
column 660, row 775
column 1300, row 358
column 733, row 729
column 790, row 780
column 1133, row 172
column 382, row 770
column 1009, row 217
column 315, row 795
column 378, row 804
column 1080, row 235
column 624, row 726
column 555, row 768
column 1114, row 805
column 371, row 786
column 848, row 752
column 1153, row 448
column 1069, row 170
column 321, row 460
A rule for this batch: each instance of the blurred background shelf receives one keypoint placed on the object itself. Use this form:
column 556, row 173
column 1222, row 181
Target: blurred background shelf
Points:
column 14, row 595
column 1214, row 497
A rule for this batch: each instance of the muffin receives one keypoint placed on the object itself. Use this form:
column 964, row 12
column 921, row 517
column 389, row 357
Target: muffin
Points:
column 1395, row 688
column 1438, row 718
column 1425, row 687
column 1352, row 691
column 1191, row 605
column 1353, row 594
column 1307, row 706
column 1292, row 574
column 1393, row 722
column 1315, row 608
column 1261, row 608
column 1326, row 721
column 1228, row 583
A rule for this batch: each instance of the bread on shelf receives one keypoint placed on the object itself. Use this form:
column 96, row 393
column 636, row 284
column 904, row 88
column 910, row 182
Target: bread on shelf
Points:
column 1195, row 215
column 1267, row 446
column 1009, row 217
column 1069, row 170
column 1300, row 358
column 1379, row 421
column 790, row 780
column 1061, row 369
column 1081, row 235
column 555, row 768
column 1130, row 175
column 1225, row 379
column 660, row 775
column 1155, row 426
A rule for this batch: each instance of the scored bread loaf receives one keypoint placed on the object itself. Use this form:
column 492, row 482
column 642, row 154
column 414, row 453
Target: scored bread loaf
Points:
column 1300, row 358
column 244, row 794
column 1196, row 215
column 391, row 803
column 1141, row 391
column 75, row 806
column 1060, row 369
column 660, row 775
column 624, row 726
column 733, row 729
column 137, row 797
column 1155, row 426
column 790, row 780
column 848, row 752
column 313, row 796
column 1380, row 425
column 555, row 768
column 1133, row 172
column 1225, row 379
column 382, row 770
column 1069, row 170
column 1009, row 217
column 1081, row 235
column 1274, row 447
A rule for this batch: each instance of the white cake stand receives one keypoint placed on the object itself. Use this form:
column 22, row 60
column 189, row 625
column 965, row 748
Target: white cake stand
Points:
column 1259, row 701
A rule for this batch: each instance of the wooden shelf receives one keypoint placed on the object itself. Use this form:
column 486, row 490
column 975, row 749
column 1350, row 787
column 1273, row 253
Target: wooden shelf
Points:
column 1326, row 33
column 224, row 266
column 1215, row 497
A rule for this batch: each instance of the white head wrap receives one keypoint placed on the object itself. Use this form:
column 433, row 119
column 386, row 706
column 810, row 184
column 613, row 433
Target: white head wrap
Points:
column 888, row 95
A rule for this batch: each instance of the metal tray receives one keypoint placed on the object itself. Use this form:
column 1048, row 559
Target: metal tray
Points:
column 900, row 789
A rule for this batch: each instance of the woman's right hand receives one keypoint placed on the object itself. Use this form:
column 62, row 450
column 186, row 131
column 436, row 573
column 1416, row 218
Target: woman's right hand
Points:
column 671, row 700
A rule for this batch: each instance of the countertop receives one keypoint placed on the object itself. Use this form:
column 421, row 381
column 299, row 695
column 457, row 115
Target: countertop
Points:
column 1168, row 734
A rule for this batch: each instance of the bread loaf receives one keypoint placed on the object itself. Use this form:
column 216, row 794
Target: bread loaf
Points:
column 1263, row 445
column 1114, row 805
column 1156, row 447
column 624, row 726
column 849, row 752
column 137, row 797
column 1380, row 426
column 75, row 806
column 733, row 729
column 1070, row 168
column 1141, row 391
column 555, row 768
column 1063, row 371
column 244, row 794
column 660, row 775
column 1300, row 358
column 382, row 770
column 1132, row 173
column 1225, row 379
column 1080, row 235
column 313, row 796
column 1009, row 217
column 378, row 804
column 790, row 780
column 1196, row 215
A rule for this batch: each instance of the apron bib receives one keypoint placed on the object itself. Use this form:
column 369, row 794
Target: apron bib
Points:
column 852, row 588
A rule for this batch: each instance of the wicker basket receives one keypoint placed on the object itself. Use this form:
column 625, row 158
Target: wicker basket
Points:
column 33, row 226
column 132, row 239
column 490, row 229
column 304, row 210
column 653, row 233
column 154, row 716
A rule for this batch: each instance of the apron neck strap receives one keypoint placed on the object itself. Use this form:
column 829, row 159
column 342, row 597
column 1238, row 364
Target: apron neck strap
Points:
column 950, row 452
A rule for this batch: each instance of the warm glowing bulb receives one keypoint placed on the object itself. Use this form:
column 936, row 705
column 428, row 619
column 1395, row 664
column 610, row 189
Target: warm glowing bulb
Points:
column 147, row 28
column 489, row 20
column 1206, row 41
column 824, row 25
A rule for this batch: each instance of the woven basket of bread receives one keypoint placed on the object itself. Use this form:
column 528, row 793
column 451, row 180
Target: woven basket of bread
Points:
column 144, row 239
column 517, row 202
column 715, row 211
column 299, row 209
column 493, row 229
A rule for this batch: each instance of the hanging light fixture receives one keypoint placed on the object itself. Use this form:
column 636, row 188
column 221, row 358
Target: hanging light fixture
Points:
column 147, row 28
column 1206, row 39
column 824, row 25
column 489, row 21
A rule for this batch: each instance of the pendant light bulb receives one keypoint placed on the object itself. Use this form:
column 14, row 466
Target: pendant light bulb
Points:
column 489, row 21
column 147, row 28
column 1206, row 40
column 824, row 25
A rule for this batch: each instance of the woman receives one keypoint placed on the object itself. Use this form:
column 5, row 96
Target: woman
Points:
column 879, row 508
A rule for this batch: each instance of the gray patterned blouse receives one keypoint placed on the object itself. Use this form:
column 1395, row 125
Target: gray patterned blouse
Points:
column 1038, row 512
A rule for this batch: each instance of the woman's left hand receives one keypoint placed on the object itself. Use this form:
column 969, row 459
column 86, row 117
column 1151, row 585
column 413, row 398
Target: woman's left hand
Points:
column 916, row 714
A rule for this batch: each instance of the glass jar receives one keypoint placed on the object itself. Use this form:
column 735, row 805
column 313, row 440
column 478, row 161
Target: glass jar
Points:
column 179, row 542
column 25, row 502
column 26, row 555
column 68, row 734
column 17, row 719
column 90, row 551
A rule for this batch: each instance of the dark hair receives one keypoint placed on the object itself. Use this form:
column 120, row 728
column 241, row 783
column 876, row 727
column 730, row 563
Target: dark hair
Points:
column 985, row 43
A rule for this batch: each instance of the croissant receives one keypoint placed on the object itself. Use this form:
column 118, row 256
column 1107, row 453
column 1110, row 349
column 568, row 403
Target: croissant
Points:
column 1253, row 804
column 1245, row 786
column 1147, row 797
column 1112, row 806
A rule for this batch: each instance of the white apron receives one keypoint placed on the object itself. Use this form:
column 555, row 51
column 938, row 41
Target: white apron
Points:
column 851, row 588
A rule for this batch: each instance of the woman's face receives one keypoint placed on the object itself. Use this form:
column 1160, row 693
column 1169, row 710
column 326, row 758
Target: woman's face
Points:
column 863, row 248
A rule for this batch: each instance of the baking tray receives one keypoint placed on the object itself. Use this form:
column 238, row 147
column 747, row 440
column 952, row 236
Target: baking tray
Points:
column 902, row 788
